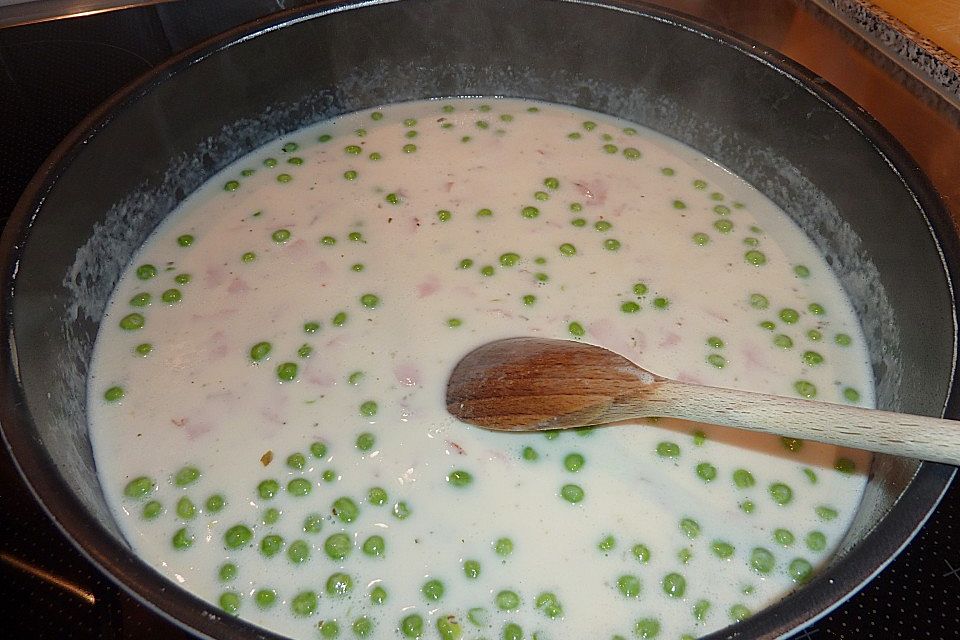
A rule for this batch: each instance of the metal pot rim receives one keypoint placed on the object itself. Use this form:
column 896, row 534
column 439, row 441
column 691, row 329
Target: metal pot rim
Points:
column 828, row 591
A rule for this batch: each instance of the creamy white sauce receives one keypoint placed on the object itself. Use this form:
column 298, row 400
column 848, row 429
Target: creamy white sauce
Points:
column 198, row 399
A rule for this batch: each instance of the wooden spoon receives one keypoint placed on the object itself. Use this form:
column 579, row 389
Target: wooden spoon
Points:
column 530, row 384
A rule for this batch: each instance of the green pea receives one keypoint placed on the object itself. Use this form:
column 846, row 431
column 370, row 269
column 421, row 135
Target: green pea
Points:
column 700, row 239
column 339, row 585
column 401, row 510
column 747, row 506
column 132, row 322
column 759, row 301
column 826, row 513
column 851, row 395
column 814, row 335
column 140, row 300
column 568, row 249
column 573, row 462
column 668, row 450
column 265, row 598
column 459, row 478
column 783, row 537
column 227, row 572
column 790, row 316
column 843, row 340
column 572, row 493
column 716, row 360
column 608, row 543
column 268, row 489
column 248, row 256
column 721, row 549
column 816, row 541
column 328, row 240
column 337, row 546
column 345, row 509
column 679, row 204
column 486, row 271
column 304, row 604
column 674, row 585
column 471, row 569
column 171, row 296
column 365, row 441
column 611, row 244
column 355, row 378
column 448, row 628
column 318, row 449
column 151, row 510
column 529, row 212
column 329, row 629
column 298, row 552
column 377, row 496
column 230, row 602
column 432, row 590
column 811, row 476
column 739, row 613
column 700, row 610
column 781, row 493
column 280, row 235
column 260, row 351
column 761, row 560
column 139, row 487
column 756, row 258
column 630, row 307
column 186, row 510
column 576, row 329
column 412, row 626
column 529, row 299
column 271, row 545
column 374, row 546
column 641, row 552
column 378, row 595
column 185, row 240
column 186, row 476
column 800, row 570
column 368, row 409
column 146, row 271
column 239, row 535
column 270, row 162
column 845, row 465
column 299, row 487
column 783, row 341
column 743, row 479
column 646, row 628
column 143, row 349
column 509, row 259
column 805, row 389
column 579, row 222
column 661, row 303
column 409, row 148
column 271, row 515
column 507, row 600
column 690, row 527
column 631, row 153
column 629, row 586
column 723, row 225
column 812, row 358
column 353, row 149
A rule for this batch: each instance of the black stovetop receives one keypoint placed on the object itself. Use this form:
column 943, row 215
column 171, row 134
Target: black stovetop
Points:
column 51, row 75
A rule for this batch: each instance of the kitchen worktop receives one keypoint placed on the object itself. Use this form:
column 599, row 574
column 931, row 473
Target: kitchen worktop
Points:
column 52, row 74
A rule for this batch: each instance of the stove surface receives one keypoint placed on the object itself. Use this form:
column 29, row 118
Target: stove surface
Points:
column 52, row 74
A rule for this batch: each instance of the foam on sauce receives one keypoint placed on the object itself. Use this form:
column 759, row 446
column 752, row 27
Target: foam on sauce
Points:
column 371, row 253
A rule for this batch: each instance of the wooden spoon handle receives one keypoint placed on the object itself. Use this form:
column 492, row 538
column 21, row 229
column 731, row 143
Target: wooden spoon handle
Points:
column 898, row 434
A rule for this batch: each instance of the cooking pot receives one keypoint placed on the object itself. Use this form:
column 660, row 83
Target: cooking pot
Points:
column 830, row 166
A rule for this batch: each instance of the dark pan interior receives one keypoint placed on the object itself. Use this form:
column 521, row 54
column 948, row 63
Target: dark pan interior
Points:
column 845, row 182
